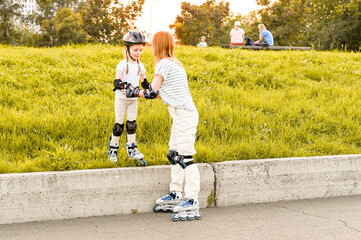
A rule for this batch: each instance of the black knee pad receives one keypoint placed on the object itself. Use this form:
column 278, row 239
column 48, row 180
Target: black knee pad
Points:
column 131, row 127
column 118, row 129
column 174, row 158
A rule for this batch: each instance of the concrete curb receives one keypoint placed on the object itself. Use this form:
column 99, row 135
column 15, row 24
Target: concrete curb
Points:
column 42, row 196
column 270, row 180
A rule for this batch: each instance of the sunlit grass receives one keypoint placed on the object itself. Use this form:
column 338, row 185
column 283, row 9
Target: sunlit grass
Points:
column 57, row 106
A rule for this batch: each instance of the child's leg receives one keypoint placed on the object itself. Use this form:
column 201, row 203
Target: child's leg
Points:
column 177, row 178
column 183, row 134
column 120, row 108
column 117, row 130
column 132, row 111
column 132, row 150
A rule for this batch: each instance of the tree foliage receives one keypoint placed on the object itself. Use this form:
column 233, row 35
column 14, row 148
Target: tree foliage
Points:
column 48, row 9
column 9, row 11
column 65, row 28
column 325, row 24
column 286, row 19
column 105, row 21
column 208, row 19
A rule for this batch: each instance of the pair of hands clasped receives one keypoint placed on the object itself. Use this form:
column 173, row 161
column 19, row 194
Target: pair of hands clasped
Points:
column 130, row 91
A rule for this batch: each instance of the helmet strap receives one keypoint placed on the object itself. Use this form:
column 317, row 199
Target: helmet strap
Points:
column 128, row 49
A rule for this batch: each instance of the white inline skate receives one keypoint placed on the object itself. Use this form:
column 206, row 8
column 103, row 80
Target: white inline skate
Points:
column 167, row 202
column 133, row 153
column 187, row 209
column 113, row 152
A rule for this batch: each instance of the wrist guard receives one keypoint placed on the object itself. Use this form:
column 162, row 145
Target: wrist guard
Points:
column 150, row 93
column 132, row 91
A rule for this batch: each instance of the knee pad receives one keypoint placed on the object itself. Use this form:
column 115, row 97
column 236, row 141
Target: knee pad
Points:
column 174, row 158
column 131, row 127
column 171, row 155
column 118, row 129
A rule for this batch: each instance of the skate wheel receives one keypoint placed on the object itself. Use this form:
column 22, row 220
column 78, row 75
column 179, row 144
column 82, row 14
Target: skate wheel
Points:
column 155, row 209
column 175, row 218
column 143, row 162
column 199, row 216
column 183, row 218
column 190, row 218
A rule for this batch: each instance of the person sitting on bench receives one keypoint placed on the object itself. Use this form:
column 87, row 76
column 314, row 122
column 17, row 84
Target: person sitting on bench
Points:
column 237, row 34
column 265, row 37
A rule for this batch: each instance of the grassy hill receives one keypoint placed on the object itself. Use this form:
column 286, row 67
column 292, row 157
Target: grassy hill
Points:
column 57, row 113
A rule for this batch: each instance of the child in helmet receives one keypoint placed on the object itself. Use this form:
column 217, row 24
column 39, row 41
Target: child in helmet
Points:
column 171, row 83
column 128, row 72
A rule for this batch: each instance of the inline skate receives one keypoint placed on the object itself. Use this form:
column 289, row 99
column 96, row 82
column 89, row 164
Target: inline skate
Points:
column 113, row 152
column 167, row 202
column 133, row 153
column 187, row 209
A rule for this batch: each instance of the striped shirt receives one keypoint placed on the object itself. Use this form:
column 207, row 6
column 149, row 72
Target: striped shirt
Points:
column 174, row 90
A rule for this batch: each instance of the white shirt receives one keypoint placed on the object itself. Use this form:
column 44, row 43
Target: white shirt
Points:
column 174, row 89
column 131, row 77
column 202, row 44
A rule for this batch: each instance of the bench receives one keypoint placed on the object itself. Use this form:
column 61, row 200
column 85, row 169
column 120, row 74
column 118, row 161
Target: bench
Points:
column 268, row 48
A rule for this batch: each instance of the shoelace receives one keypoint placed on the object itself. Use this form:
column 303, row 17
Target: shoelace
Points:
column 188, row 202
column 167, row 197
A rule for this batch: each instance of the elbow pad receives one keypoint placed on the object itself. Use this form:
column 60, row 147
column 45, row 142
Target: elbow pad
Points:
column 118, row 84
column 145, row 84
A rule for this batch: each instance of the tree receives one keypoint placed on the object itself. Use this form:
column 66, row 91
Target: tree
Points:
column 286, row 19
column 335, row 24
column 209, row 19
column 68, row 27
column 105, row 21
column 49, row 8
column 65, row 28
column 325, row 24
column 8, row 12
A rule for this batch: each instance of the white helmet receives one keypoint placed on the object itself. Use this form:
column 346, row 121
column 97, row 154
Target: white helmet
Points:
column 237, row 23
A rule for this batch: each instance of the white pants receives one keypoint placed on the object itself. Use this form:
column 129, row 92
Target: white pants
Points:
column 122, row 107
column 182, row 138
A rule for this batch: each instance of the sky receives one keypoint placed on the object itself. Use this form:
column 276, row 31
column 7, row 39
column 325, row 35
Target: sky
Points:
column 159, row 14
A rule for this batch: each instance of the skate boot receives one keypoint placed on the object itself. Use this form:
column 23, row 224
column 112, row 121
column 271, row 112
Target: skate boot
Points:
column 187, row 209
column 113, row 152
column 167, row 202
column 133, row 153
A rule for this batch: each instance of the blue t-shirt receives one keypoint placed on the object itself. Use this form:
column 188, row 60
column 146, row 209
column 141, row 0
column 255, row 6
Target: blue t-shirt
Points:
column 267, row 36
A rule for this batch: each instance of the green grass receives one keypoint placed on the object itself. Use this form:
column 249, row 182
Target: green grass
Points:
column 57, row 113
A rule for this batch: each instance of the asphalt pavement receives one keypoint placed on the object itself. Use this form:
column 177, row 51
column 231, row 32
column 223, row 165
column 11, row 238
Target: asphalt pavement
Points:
column 320, row 219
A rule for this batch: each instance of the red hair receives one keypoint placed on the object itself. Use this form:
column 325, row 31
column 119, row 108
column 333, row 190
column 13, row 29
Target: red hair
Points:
column 163, row 47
